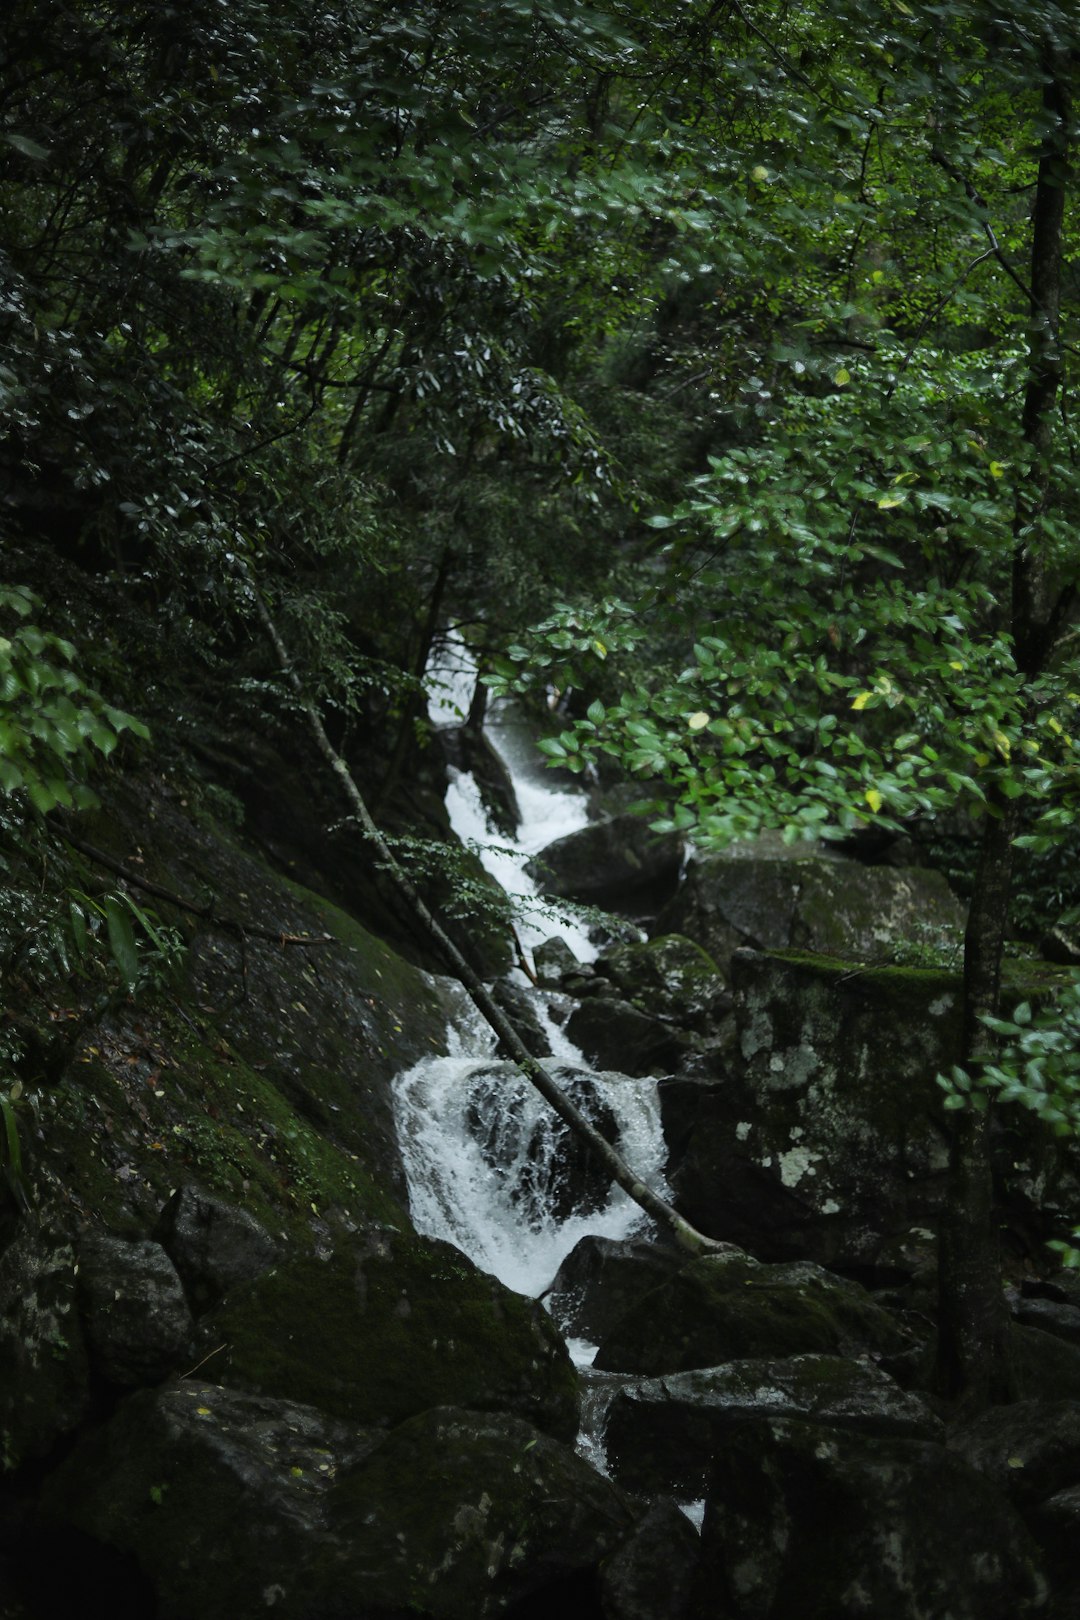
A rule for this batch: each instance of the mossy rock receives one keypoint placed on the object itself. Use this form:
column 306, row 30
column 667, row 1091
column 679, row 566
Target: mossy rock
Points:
column 671, row 976
column 231, row 1505
column 827, row 1525
column 664, row 1434
column 799, row 901
column 460, row 1517
column 390, row 1324
column 715, row 1310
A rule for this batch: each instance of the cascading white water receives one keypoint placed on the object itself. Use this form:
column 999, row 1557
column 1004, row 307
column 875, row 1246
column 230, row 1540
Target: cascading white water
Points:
column 489, row 1165
column 494, row 1170
column 547, row 812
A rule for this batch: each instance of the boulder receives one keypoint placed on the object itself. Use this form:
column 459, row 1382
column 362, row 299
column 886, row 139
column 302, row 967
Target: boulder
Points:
column 546, row 1170
column 390, row 1324
column 825, row 1136
column 1029, row 1451
column 136, row 1318
column 664, row 1434
column 669, row 976
column 213, row 1245
column 602, row 1278
column 775, row 901
column 719, row 1308
column 820, row 1523
column 463, row 1517
column 614, row 1034
column 44, row 1393
column 218, row 1496
column 653, row 1575
column 616, row 863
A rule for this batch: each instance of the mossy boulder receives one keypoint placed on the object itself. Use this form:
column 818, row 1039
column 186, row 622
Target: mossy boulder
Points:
column 665, row 1434
column 461, row 1517
column 792, row 900
column 389, row 1324
column 232, row 1505
column 671, row 977
column 826, row 1137
column 828, row 1524
column 615, row 862
column 717, row 1309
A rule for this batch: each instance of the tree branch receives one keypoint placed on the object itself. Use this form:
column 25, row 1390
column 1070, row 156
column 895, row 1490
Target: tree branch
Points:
column 685, row 1234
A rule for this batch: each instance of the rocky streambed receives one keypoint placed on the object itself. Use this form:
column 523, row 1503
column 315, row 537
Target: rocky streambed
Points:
column 240, row 1376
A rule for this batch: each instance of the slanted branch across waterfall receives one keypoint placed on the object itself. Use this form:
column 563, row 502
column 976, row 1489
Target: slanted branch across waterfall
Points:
column 534, row 1071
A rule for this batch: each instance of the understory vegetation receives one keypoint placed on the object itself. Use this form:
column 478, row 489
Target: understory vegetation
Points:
column 708, row 368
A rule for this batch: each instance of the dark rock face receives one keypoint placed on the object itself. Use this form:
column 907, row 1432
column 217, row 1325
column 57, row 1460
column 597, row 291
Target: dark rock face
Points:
column 716, row 1309
column 1029, row 1451
column 808, row 1521
column 390, row 1324
column 138, row 1325
column 614, row 1034
column 653, row 1576
column 616, row 863
column 213, row 1245
column 603, row 1278
column 793, row 901
column 555, row 1173
column 44, row 1393
column 235, row 1504
column 825, row 1137
column 665, row 1434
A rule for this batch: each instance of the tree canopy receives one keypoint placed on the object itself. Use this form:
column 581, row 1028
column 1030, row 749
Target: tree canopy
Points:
column 711, row 368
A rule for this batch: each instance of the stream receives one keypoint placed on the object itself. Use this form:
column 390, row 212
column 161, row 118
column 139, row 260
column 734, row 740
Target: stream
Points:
column 489, row 1166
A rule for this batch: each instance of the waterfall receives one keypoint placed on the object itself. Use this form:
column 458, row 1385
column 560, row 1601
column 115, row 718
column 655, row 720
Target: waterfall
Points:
column 489, row 1165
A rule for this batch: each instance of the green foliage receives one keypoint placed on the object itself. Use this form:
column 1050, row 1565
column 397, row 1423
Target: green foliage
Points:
column 51, row 723
column 1037, row 1066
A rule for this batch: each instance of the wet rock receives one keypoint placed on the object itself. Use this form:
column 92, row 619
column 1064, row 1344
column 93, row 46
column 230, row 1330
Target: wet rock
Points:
column 390, row 1324
column 236, row 1504
column 614, row 1034
column 616, row 863
column 1048, row 1367
column 716, row 1309
column 219, row 1496
column 1029, row 1450
column 554, row 962
column 546, row 1169
column 213, row 1245
column 134, row 1312
column 825, row 1524
column 1051, row 1316
column 519, row 1006
column 602, row 1278
column 462, row 1517
column 664, row 1434
column 44, row 1392
column 653, row 1575
column 809, row 902
column 825, row 1137
column 670, row 976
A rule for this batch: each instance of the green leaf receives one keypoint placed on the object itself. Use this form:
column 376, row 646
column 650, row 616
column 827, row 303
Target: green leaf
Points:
column 122, row 941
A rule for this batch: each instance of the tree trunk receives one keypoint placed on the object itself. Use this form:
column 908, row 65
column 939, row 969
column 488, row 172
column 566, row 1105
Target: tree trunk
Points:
column 974, row 1361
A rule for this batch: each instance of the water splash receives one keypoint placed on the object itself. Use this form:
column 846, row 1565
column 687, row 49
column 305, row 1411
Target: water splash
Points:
column 494, row 1170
